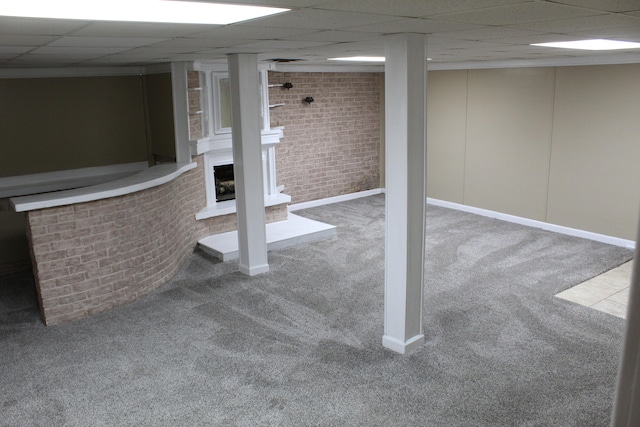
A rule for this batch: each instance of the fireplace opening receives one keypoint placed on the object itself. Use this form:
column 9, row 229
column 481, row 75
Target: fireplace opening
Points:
column 225, row 184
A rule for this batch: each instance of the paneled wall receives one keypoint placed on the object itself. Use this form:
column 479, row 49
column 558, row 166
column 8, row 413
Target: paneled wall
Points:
column 594, row 179
column 560, row 145
column 51, row 124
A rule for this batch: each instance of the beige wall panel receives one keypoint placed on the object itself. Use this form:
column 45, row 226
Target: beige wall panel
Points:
column 446, row 132
column 509, row 125
column 67, row 123
column 595, row 168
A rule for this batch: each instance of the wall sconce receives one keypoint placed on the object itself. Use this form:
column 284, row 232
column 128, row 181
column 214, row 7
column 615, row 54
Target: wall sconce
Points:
column 287, row 85
column 308, row 99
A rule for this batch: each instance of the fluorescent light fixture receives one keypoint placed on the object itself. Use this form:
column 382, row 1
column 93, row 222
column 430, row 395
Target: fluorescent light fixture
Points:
column 362, row 59
column 165, row 11
column 359, row 58
column 595, row 44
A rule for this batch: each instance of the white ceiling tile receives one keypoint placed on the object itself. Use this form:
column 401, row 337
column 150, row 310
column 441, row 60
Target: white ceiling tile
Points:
column 605, row 5
column 282, row 44
column 77, row 50
column 519, row 13
column 49, row 60
column 239, row 31
column 459, row 30
column 199, row 43
column 139, row 29
column 487, row 33
column 47, row 27
column 24, row 40
column 152, row 52
column 332, row 36
column 14, row 49
column 105, row 41
column 539, row 38
column 586, row 23
column 290, row 4
column 413, row 25
column 319, row 19
column 628, row 33
column 414, row 8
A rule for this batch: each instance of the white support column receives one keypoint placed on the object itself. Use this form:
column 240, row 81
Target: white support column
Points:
column 247, row 163
column 626, row 410
column 405, row 121
column 180, row 111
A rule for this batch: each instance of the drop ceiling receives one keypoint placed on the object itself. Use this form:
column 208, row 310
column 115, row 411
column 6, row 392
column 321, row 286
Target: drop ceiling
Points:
column 462, row 34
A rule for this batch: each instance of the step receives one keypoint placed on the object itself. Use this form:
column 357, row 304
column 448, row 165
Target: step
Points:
column 292, row 231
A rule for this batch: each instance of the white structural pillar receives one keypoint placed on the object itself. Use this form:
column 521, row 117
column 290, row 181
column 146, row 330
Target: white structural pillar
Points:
column 405, row 139
column 626, row 408
column 247, row 163
column 181, row 109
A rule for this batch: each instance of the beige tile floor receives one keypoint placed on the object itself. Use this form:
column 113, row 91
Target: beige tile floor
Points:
column 607, row 292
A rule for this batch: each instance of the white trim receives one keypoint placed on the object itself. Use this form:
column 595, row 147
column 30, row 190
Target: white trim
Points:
column 33, row 73
column 613, row 59
column 616, row 241
column 335, row 199
column 27, row 73
column 23, row 185
column 405, row 347
column 229, row 206
column 149, row 178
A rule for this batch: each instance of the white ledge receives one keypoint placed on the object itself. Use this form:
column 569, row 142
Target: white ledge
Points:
column 223, row 141
column 149, row 178
column 25, row 185
column 229, row 207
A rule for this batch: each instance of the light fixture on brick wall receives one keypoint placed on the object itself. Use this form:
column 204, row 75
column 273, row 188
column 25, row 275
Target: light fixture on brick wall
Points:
column 308, row 99
column 283, row 85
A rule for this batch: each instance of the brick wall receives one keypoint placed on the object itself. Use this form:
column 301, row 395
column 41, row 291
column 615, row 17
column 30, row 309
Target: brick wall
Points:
column 193, row 98
column 93, row 256
column 331, row 146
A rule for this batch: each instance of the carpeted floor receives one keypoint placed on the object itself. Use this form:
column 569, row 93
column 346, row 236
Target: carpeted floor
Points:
column 301, row 345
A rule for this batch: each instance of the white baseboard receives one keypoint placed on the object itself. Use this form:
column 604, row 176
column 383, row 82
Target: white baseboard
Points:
column 402, row 347
column 616, row 241
column 335, row 199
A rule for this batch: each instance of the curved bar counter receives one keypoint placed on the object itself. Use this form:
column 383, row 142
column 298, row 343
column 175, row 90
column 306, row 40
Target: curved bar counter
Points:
column 98, row 247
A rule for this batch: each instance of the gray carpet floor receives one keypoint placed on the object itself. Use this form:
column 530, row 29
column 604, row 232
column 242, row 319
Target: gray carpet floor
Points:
column 301, row 345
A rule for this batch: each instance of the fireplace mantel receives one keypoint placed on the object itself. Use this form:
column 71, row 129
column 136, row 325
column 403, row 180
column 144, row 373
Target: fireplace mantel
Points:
column 217, row 151
column 218, row 142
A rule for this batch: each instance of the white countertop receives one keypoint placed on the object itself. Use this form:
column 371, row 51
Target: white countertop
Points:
column 148, row 178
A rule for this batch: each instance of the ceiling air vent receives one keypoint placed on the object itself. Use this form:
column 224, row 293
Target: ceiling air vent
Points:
column 283, row 60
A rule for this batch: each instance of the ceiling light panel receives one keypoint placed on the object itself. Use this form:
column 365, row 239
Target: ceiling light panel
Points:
column 595, row 44
column 161, row 11
column 360, row 59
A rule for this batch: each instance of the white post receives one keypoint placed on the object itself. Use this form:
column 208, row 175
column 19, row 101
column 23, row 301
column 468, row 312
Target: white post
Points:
column 626, row 410
column 405, row 123
column 247, row 163
column 180, row 111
